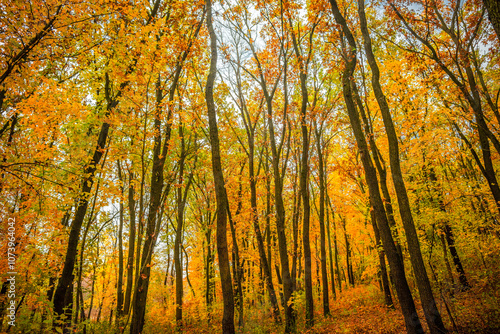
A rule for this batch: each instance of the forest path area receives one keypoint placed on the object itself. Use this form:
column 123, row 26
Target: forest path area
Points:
column 360, row 310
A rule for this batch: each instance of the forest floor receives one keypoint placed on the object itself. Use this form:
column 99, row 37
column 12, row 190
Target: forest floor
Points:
column 361, row 310
column 356, row 310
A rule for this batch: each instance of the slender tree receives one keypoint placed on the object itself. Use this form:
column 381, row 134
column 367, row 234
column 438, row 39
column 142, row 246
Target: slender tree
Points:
column 303, row 61
column 431, row 311
column 220, row 192
column 321, row 218
column 412, row 321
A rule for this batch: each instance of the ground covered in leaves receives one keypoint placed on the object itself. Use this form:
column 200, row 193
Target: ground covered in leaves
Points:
column 361, row 310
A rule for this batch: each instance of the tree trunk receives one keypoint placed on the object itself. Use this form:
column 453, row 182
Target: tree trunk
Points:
column 332, row 273
column 297, row 203
column 220, row 193
column 304, row 174
column 143, row 271
column 179, row 288
column 237, row 264
column 160, row 151
column 493, row 7
column 66, row 278
column 260, row 241
column 450, row 239
column 119, row 287
column 290, row 317
column 412, row 321
column 386, row 288
column 380, row 165
column 324, row 272
column 431, row 311
column 131, row 244
column 269, row 237
column 209, row 269
column 335, row 246
column 348, row 251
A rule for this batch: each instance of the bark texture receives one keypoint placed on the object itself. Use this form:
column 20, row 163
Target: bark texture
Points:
column 220, row 192
column 431, row 311
column 412, row 320
column 493, row 8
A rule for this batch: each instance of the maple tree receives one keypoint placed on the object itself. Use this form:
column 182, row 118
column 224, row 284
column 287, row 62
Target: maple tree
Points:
column 249, row 166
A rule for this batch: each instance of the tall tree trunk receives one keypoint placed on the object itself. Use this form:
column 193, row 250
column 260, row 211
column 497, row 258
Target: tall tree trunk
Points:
column 89, row 177
column 431, row 311
column 290, row 325
column 332, row 273
column 269, row 237
column 220, row 192
column 265, row 264
column 336, row 254
column 90, row 220
column 304, row 173
column 67, row 276
column 304, row 189
column 119, row 284
column 348, row 252
column 238, row 269
column 179, row 288
column 237, row 264
column 144, row 270
column 131, row 244
column 260, row 241
column 209, row 265
column 412, row 321
column 66, row 279
column 297, row 204
column 324, row 272
column 380, row 165
column 290, row 316
column 181, row 204
column 209, row 292
column 250, row 126
column 160, row 152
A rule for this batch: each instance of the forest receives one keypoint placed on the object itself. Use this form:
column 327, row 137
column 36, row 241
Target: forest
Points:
column 249, row 166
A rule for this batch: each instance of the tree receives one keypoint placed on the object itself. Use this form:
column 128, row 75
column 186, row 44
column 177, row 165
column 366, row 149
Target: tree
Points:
column 431, row 311
column 157, row 183
column 220, row 192
column 406, row 300
column 303, row 62
column 250, row 123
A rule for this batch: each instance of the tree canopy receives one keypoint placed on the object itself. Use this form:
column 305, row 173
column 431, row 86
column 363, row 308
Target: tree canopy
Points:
column 249, row 166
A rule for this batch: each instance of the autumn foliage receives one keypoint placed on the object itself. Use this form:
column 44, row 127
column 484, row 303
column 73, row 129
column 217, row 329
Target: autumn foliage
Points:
column 249, row 166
